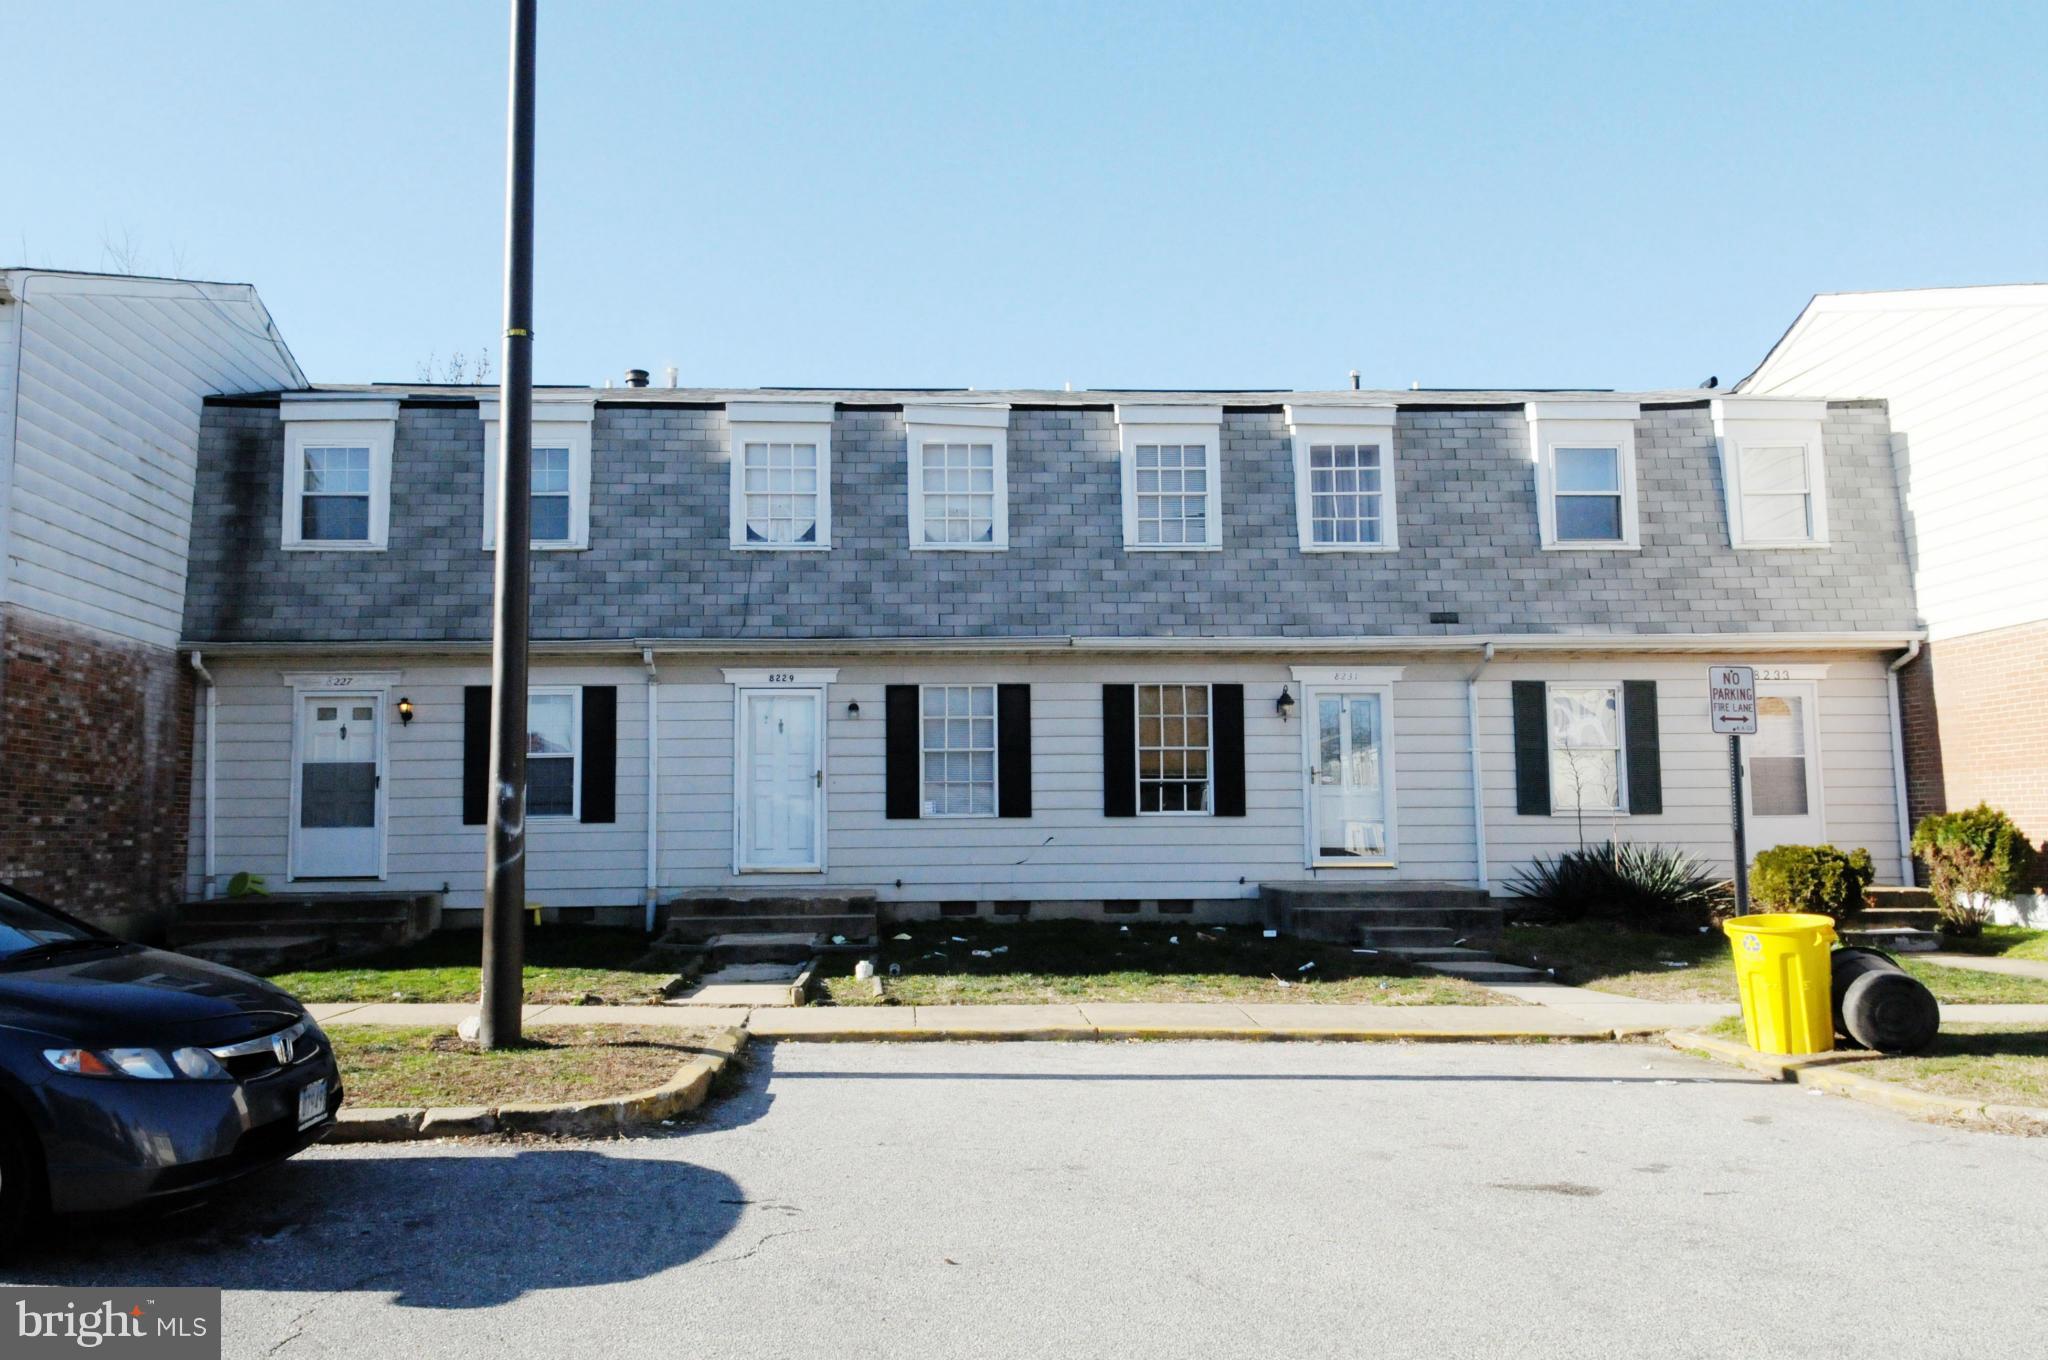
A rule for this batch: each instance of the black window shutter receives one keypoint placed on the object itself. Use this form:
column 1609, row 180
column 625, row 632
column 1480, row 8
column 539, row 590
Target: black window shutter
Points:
column 476, row 754
column 1226, row 739
column 1532, row 749
column 600, row 753
column 1119, row 751
column 1645, row 761
column 902, row 776
column 1013, row 750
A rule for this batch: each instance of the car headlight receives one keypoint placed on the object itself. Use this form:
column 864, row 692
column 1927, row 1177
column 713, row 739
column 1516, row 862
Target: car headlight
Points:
column 145, row 1064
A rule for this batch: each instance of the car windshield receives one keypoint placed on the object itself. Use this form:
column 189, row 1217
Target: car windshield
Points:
column 26, row 927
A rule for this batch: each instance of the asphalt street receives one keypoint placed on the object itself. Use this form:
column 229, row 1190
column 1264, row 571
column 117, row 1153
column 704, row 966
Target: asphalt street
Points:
column 1146, row 1199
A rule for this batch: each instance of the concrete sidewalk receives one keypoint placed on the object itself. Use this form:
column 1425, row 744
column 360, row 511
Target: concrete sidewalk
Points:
column 1551, row 1013
column 2028, row 968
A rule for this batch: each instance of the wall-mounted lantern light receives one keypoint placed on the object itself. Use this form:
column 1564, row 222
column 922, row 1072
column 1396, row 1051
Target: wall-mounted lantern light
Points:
column 405, row 712
column 853, row 709
column 1284, row 705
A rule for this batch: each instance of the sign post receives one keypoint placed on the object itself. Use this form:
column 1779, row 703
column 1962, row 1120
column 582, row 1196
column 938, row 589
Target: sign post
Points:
column 1731, row 705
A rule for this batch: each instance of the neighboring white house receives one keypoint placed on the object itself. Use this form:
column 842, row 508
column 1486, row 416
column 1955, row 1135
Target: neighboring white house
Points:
column 1964, row 372
column 102, row 378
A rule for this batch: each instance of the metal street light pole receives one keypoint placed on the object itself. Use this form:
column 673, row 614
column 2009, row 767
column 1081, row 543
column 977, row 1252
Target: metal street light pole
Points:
column 505, row 866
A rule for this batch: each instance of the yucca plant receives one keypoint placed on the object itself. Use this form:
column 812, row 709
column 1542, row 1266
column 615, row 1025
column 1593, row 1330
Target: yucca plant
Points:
column 1639, row 885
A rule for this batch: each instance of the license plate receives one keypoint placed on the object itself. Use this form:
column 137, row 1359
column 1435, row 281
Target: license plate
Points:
column 312, row 1103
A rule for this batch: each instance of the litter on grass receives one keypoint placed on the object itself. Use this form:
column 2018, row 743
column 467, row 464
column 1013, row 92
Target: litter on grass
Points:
column 839, row 939
column 1000, row 949
column 899, row 937
column 1173, row 939
column 1272, row 934
column 1306, row 966
column 980, row 953
column 1676, row 963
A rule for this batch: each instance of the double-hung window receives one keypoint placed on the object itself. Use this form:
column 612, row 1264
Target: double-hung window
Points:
column 781, row 475
column 553, row 728
column 958, row 747
column 337, row 473
column 558, row 490
column 1585, row 457
column 1771, row 462
column 1344, row 477
column 958, row 457
column 1172, row 477
column 1586, row 764
column 1173, row 749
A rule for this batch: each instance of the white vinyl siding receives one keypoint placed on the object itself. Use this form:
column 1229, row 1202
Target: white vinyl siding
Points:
column 111, row 374
column 1068, row 851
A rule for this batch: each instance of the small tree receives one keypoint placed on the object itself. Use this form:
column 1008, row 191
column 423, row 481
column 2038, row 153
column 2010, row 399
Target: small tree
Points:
column 1971, row 856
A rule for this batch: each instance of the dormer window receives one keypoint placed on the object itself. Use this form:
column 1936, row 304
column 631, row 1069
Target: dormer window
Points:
column 958, row 460
column 337, row 473
column 1585, row 460
column 1773, row 467
column 1172, row 477
column 781, row 475
column 1344, row 477
column 559, row 486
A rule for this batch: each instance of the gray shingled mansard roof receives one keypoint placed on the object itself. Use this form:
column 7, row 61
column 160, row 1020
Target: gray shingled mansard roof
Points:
column 659, row 565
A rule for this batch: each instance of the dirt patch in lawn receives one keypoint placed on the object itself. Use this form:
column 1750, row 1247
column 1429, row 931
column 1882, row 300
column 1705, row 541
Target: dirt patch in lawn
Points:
column 564, row 965
column 431, row 1066
column 983, row 963
column 1700, row 967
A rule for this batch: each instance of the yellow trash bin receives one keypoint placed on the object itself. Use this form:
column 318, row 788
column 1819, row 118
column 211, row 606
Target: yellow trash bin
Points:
column 1781, row 966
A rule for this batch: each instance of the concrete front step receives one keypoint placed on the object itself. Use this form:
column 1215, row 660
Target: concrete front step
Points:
column 1440, row 953
column 1350, row 924
column 1406, row 937
column 694, row 930
column 1897, row 918
column 1893, row 940
column 1487, row 970
column 261, row 953
column 713, row 902
column 758, row 947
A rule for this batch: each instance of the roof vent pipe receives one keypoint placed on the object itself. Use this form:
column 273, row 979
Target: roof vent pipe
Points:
column 671, row 374
column 636, row 377
column 1354, row 380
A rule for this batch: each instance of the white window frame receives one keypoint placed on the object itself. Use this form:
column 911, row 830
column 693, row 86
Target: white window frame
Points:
column 1312, row 425
column 556, row 425
column 329, row 422
column 1767, row 422
column 1555, row 425
column 575, row 697
column 1620, row 808
column 995, row 752
column 1208, row 808
column 958, row 425
column 778, row 422
column 1171, row 425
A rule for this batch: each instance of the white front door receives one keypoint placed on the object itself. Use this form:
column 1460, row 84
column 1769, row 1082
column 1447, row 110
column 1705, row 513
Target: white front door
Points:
column 781, row 786
column 337, row 822
column 1350, row 810
column 1781, row 774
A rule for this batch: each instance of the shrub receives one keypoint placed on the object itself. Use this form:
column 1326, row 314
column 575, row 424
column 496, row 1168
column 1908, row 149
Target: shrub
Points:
column 1811, row 878
column 1969, row 856
column 1638, row 885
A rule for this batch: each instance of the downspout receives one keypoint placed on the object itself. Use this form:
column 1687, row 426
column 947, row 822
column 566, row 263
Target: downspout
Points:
column 1891, row 686
column 653, row 787
column 207, row 882
column 1478, row 778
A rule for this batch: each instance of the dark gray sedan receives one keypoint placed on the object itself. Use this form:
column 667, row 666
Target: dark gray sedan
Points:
column 129, row 1075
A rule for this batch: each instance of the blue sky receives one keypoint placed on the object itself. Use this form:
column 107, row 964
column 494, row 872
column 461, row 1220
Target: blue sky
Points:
column 1108, row 195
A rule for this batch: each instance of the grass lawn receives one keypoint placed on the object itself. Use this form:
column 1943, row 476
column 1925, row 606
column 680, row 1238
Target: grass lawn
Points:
column 2002, row 942
column 1069, row 961
column 1644, row 964
column 2006, row 1064
column 563, row 964
column 407, row 1067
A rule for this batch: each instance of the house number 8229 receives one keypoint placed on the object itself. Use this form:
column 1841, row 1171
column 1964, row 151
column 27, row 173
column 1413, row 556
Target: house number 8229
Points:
column 781, row 678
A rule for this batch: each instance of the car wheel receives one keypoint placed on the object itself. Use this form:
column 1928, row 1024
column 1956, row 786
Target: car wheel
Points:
column 21, row 1183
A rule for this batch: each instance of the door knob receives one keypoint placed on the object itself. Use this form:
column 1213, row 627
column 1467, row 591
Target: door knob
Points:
column 818, row 777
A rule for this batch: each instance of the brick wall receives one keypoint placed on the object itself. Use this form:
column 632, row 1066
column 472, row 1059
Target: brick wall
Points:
column 1975, row 711
column 96, row 743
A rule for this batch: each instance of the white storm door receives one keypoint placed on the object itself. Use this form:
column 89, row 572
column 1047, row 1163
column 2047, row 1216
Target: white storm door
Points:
column 337, row 802
column 1348, row 788
column 1781, row 784
column 781, row 781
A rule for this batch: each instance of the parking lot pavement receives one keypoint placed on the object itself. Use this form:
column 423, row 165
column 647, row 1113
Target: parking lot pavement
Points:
column 1137, row 1199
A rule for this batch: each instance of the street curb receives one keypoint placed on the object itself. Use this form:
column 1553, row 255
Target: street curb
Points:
column 1827, row 1072
column 685, row 1091
column 1087, row 1033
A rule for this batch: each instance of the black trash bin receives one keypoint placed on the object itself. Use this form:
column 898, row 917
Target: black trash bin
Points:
column 1879, row 1005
